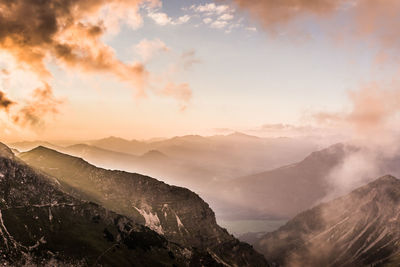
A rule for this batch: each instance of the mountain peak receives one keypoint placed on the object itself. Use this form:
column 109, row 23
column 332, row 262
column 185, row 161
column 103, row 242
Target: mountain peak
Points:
column 113, row 138
column 42, row 148
column 387, row 178
column 242, row 135
column 154, row 153
column 384, row 183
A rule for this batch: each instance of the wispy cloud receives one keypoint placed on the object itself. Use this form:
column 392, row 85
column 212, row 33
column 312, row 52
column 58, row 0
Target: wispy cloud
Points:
column 163, row 19
column 217, row 16
column 182, row 92
column 147, row 49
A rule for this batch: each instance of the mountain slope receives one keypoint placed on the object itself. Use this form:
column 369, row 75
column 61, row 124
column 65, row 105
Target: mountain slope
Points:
column 176, row 213
column 285, row 191
column 323, row 175
column 41, row 225
column 359, row 229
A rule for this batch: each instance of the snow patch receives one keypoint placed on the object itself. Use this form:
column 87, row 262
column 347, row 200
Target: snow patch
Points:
column 179, row 222
column 152, row 221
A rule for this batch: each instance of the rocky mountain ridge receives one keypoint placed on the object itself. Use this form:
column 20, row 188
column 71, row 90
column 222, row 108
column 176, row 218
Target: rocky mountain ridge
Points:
column 176, row 213
column 41, row 225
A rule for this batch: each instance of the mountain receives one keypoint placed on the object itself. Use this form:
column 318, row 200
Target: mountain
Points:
column 285, row 191
column 176, row 213
column 152, row 163
column 153, row 156
column 28, row 145
column 288, row 190
column 197, row 162
column 228, row 156
column 99, row 156
column 121, row 145
column 42, row 225
column 358, row 229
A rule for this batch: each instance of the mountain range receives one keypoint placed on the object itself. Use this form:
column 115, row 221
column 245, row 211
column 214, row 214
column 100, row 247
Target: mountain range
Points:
column 214, row 157
column 50, row 200
column 195, row 162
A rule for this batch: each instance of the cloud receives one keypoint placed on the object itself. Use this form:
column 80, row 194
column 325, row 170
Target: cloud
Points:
column 226, row 16
column 160, row 18
column 218, row 24
column 71, row 34
column 182, row 92
column 147, row 49
column 33, row 32
column 374, row 22
column 207, row 20
column 183, row 19
column 373, row 110
column 216, row 16
column 251, row 29
column 5, row 103
column 272, row 13
column 41, row 103
column 163, row 19
column 189, row 59
column 210, row 8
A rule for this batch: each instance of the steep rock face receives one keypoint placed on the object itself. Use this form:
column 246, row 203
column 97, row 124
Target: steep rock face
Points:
column 176, row 213
column 359, row 229
column 42, row 225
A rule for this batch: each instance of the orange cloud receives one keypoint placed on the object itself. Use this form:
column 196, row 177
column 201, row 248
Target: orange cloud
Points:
column 372, row 110
column 69, row 32
column 272, row 13
column 182, row 92
column 41, row 103
column 5, row 103
column 368, row 20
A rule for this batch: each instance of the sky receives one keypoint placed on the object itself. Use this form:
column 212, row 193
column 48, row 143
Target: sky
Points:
column 140, row 69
